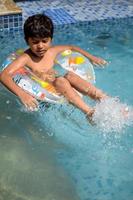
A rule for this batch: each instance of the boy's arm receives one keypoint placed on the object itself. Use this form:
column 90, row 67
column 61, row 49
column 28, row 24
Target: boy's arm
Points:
column 6, row 79
column 95, row 60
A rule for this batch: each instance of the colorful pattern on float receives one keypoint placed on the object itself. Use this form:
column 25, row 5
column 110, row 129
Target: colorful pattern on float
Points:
column 42, row 90
column 77, row 63
column 25, row 79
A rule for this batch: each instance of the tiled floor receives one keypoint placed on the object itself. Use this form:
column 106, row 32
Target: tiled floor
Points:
column 65, row 11
column 85, row 10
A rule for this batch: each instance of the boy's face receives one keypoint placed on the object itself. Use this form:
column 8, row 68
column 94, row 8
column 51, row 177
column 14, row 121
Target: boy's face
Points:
column 39, row 46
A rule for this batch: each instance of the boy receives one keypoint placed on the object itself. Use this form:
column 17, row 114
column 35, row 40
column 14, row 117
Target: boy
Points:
column 40, row 58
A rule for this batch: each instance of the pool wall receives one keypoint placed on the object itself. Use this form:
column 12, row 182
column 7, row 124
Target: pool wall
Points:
column 64, row 12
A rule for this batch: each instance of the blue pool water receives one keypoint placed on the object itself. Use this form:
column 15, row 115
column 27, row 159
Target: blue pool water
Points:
column 54, row 154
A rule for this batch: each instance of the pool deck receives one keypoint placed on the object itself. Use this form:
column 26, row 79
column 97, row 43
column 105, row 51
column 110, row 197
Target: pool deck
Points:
column 9, row 7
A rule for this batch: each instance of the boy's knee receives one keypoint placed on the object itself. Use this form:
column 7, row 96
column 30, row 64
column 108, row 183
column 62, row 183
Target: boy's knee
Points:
column 70, row 75
column 61, row 81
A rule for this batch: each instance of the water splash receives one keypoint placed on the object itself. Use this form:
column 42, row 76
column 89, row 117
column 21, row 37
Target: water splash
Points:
column 112, row 116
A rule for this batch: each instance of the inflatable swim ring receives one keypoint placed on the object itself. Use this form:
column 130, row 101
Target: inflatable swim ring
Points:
column 42, row 90
column 77, row 63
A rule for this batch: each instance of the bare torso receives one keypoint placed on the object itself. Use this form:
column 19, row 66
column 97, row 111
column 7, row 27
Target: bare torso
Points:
column 41, row 65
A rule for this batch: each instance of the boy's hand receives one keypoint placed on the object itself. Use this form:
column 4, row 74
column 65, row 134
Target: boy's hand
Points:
column 29, row 101
column 98, row 61
column 50, row 76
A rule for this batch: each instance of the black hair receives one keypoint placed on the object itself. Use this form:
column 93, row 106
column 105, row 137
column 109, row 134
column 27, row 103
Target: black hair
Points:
column 38, row 26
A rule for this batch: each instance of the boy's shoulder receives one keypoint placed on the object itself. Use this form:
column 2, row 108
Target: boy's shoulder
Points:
column 53, row 50
column 28, row 54
column 56, row 49
column 24, row 57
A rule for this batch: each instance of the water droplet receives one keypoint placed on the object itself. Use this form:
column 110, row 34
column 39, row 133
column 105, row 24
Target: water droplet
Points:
column 112, row 116
column 7, row 102
column 8, row 117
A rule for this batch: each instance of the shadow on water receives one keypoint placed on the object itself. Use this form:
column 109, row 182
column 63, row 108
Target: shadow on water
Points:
column 29, row 169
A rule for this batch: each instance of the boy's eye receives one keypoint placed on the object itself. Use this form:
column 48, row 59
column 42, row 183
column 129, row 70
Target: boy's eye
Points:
column 35, row 42
column 45, row 40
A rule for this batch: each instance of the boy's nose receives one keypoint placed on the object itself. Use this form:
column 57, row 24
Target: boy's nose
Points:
column 40, row 45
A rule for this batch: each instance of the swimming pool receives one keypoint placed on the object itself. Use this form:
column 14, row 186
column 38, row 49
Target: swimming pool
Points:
column 55, row 153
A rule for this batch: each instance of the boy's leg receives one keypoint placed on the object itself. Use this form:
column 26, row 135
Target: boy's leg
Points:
column 84, row 87
column 64, row 87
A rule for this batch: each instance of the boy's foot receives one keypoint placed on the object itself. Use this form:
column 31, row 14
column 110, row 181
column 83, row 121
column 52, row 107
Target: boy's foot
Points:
column 89, row 116
column 125, row 112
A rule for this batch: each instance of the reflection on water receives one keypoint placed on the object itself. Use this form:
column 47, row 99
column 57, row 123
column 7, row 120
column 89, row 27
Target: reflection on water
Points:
column 28, row 167
column 32, row 173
